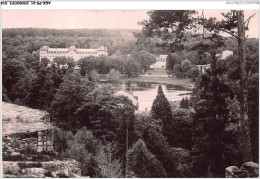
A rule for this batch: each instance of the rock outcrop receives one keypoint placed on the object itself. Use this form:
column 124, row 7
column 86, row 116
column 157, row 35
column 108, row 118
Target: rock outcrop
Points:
column 30, row 169
column 25, row 128
column 248, row 169
column 27, row 146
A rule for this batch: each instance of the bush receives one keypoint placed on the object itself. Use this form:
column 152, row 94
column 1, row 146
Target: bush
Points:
column 185, row 103
column 181, row 126
column 28, row 150
column 114, row 75
column 142, row 163
column 193, row 73
column 178, row 71
column 23, row 165
column 186, row 65
column 14, row 143
column 93, row 75
column 83, row 148
column 61, row 139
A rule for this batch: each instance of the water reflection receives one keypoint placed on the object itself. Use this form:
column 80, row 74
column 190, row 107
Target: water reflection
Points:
column 146, row 92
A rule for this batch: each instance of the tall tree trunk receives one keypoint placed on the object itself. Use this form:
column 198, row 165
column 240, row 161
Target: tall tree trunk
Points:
column 126, row 157
column 245, row 144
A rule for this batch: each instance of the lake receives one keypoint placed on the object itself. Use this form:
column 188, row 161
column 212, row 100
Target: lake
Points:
column 146, row 92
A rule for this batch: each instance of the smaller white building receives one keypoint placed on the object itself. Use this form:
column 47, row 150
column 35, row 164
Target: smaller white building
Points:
column 202, row 68
column 160, row 62
column 225, row 54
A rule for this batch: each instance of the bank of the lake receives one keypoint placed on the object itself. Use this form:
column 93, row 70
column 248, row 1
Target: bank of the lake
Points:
column 185, row 83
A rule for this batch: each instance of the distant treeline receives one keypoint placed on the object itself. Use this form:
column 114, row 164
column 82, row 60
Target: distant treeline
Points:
column 119, row 40
column 95, row 33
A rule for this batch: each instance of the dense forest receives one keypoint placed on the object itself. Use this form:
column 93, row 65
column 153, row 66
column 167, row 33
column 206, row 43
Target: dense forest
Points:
column 103, row 131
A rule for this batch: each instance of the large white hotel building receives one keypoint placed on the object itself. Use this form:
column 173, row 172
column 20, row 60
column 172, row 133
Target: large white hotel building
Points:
column 73, row 52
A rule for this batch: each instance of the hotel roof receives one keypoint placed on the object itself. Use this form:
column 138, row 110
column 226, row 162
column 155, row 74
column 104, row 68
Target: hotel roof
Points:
column 72, row 48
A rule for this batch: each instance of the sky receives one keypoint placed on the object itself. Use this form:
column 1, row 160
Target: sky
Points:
column 111, row 19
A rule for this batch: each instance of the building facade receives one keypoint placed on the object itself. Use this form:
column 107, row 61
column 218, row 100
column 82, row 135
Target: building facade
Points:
column 160, row 62
column 225, row 54
column 72, row 52
column 202, row 68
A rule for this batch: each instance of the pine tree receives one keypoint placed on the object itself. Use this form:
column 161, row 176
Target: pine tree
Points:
column 161, row 111
column 209, row 121
column 142, row 163
column 150, row 132
column 235, row 25
column 157, row 144
column 185, row 103
column 110, row 167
